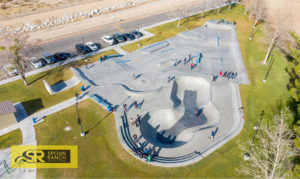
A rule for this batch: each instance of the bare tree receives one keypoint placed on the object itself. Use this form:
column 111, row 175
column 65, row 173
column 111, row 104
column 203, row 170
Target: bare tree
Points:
column 270, row 155
column 15, row 52
column 258, row 9
column 279, row 23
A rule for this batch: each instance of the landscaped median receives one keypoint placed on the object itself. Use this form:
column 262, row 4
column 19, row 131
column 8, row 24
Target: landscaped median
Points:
column 100, row 152
column 35, row 97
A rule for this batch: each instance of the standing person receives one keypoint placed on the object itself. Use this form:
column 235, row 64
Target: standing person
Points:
column 131, row 121
column 184, row 61
column 190, row 56
column 138, row 119
column 220, row 73
column 169, row 79
column 197, row 111
column 125, row 107
column 86, row 63
column 135, row 104
column 133, row 76
column 212, row 135
column 192, row 65
column 76, row 95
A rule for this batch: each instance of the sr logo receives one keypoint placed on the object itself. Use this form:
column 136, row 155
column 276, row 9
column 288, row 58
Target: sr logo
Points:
column 31, row 156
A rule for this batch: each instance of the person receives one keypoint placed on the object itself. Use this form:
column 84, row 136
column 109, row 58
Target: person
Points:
column 86, row 63
column 138, row 119
column 133, row 76
column 125, row 106
column 135, row 104
column 131, row 121
column 197, row 111
column 220, row 73
column 76, row 95
column 149, row 158
column 212, row 135
column 192, row 65
column 169, row 79
column 184, row 60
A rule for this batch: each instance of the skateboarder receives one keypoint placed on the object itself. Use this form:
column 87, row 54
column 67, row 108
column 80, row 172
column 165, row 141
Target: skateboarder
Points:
column 192, row 65
column 135, row 104
column 125, row 107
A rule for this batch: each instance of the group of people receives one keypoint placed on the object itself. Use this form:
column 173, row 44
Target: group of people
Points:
column 229, row 74
column 147, row 153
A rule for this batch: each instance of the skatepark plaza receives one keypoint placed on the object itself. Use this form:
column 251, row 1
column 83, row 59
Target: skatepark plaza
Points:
column 176, row 100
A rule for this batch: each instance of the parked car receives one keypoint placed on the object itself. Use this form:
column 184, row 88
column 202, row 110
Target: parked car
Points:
column 108, row 39
column 60, row 56
column 82, row 49
column 136, row 34
column 128, row 36
column 92, row 46
column 36, row 62
column 11, row 69
column 119, row 38
column 49, row 58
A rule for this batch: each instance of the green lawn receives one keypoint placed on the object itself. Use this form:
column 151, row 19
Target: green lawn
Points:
column 12, row 138
column 101, row 154
column 34, row 97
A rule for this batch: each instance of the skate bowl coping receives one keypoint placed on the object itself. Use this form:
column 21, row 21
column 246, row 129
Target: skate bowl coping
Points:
column 154, row 47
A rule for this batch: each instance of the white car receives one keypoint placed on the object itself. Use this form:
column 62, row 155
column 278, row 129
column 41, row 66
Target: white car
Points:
column 36, row 63
column 92, row 46
column 11, row 70
column 108, row 39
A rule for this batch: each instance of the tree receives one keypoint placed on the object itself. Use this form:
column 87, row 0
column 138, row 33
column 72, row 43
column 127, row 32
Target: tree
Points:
column 294, row 89
column 279, row 28
column 258, row 9
column 15, row 52
column 270, row 155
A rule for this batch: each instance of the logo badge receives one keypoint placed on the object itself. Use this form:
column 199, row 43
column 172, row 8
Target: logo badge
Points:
column 44, row 156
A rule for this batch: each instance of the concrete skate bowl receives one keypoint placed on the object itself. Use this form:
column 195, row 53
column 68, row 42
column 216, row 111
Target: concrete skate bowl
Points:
column 154, row 47
column 176, row 126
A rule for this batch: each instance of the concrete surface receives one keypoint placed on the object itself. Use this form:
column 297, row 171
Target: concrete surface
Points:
column 169, row 92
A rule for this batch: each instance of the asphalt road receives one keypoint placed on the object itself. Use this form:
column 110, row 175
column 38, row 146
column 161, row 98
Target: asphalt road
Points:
column 68, row 45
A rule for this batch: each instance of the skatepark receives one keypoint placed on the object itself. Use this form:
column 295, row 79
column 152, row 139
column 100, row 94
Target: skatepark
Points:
column 169, row 86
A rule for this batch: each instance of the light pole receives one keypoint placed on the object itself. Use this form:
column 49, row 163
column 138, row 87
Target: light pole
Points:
column 247, row 154
column 79, row 121
column 138, row 28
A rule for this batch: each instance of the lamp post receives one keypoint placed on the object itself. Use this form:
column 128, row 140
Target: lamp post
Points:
column 138, row 29
column 79, row 121
column 247, row 154
column 83, row 40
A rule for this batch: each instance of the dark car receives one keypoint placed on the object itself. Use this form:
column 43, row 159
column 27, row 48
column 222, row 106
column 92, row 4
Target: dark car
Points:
column 119, row 38
column 82, row 49
column 49, row 58
column 136, row 33
column 128, row 36
column 60, row 56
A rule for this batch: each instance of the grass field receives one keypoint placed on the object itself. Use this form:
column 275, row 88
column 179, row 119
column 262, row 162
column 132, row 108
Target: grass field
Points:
column 12, row 138
column 35, row 97
column 100, row 153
